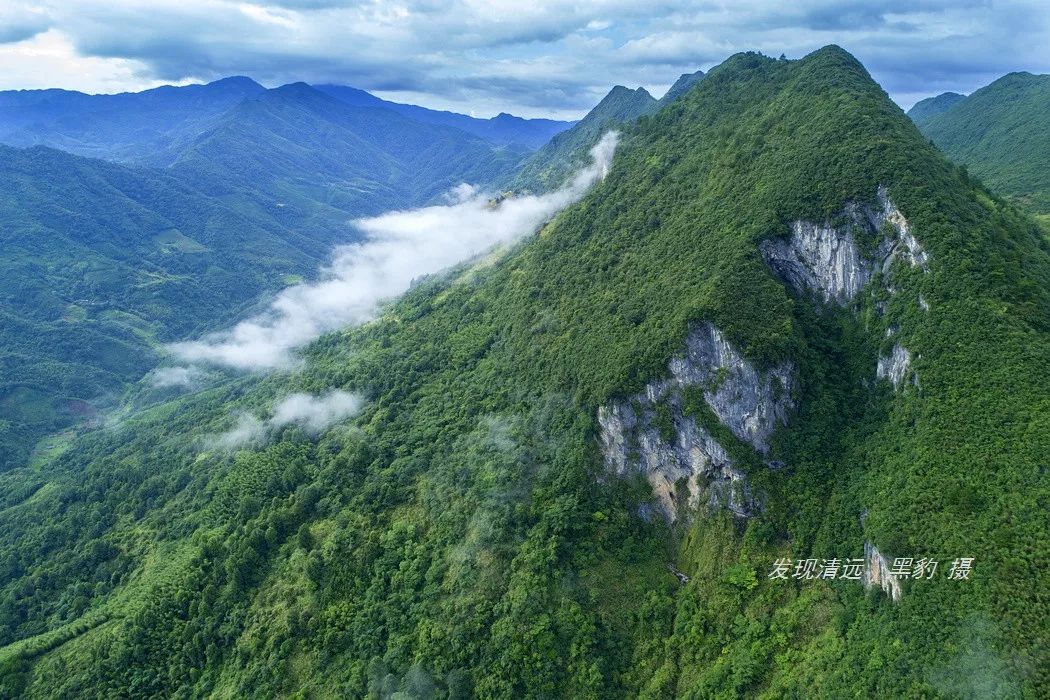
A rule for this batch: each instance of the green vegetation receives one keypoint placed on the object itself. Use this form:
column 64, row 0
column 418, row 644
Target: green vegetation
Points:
column 681, row 86
column 549, row 167
column 460, row 538
column 1001, row 133
column 924, row 110
column 103, row 262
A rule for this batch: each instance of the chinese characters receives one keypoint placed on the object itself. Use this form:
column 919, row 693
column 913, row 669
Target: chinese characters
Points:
column 923, row 568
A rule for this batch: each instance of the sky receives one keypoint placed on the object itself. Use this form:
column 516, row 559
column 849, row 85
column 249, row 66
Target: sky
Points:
column 552, row 58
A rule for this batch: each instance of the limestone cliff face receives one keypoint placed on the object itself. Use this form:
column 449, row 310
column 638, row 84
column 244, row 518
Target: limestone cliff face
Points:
column 684, row 463
column 827, row 260
column 749, row 404
column 877, row 573
column 896, row 367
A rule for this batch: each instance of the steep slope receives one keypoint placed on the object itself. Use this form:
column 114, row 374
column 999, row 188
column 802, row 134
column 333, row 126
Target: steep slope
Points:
column 741, row 282
column 681, row 86
column 505, row 129
column 301, row 148
column 550, row 166
column 924, row 110
column 1001, row 133
column 146, row 127
column 100, row 264
column 105, row 262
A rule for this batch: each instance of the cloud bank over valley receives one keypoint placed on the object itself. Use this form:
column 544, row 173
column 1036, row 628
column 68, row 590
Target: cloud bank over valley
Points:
column 399, row 247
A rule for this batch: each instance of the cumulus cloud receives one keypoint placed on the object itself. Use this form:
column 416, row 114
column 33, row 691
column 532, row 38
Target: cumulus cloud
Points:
column 551, row 58
column 399, row 247
column 20, row 21
column 312, row 413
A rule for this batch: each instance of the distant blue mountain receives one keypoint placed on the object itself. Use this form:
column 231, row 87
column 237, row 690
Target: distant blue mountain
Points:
column 152, row 127
column 503, row 128
column 325, row 157
column 146, row 127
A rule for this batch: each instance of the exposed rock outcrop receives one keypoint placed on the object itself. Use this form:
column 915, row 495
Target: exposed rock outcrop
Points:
column 877, row 572
column 827, row 259
column 682, row 461
column 748, row 404
column 896, row 366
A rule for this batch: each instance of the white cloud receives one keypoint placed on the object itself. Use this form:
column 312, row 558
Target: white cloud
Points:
column 49, row 60
column 313, row 413
column 249, row 431
column 188, row 377
column 549, row 58
column 399, row 248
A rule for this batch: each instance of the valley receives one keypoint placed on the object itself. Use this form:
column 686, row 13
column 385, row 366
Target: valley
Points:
column 308, row 393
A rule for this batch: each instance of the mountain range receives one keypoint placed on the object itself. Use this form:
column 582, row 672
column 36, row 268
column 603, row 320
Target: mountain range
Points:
column 1001, row 133
column 551, row 165
column 783, row 336
column 150, row 127
column 209, row 196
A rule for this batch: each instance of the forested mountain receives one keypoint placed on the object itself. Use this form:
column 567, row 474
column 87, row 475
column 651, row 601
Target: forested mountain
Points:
column 103, row 262
column 1001, row 133
column 681, row 86
column 100, row 264
column 924, row 110
column 504, row 128
column 147, row 127
column 550, row 166
column 577, row 464
column 296, row 146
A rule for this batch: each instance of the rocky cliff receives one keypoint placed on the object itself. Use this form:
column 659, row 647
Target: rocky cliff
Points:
column 830, row 261
column 653, row 433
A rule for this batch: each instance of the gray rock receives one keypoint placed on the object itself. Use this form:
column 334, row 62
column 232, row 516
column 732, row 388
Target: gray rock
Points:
column 877, row 573
column 749, row 404
column 896, row 367
column 692, row 468
column 827, row 260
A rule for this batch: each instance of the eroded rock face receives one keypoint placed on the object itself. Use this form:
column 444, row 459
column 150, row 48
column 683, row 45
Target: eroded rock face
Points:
column 896, row 367
column 749, row 404
column 820, row 258
column 682, row 461
column 828, row 261
column 877, row 572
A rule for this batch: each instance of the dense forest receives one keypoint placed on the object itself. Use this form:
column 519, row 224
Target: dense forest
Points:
column 462, row 536
column 105, row 262
column 1000, row 132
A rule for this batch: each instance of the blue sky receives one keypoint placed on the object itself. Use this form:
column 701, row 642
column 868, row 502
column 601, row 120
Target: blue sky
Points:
column 555, row 58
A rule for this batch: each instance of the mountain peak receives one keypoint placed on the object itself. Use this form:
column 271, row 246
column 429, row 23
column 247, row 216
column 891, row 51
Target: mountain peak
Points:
column 681, row 86
column 242, row 82
column 924, row 110
column 297, row 91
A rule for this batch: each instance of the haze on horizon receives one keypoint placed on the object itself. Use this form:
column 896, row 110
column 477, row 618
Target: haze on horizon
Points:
column 550, row 59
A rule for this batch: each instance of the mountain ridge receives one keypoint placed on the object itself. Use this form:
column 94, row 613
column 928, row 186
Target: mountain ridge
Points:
column 1001, row 132
column 463, row 535
column 924, row 110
